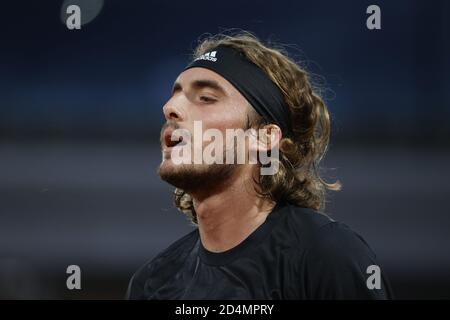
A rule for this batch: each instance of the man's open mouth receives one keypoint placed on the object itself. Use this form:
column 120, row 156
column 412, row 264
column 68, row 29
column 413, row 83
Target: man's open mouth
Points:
column 172, row 140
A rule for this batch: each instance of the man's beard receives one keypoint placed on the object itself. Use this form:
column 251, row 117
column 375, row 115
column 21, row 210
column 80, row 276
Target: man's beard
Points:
column 196, row 177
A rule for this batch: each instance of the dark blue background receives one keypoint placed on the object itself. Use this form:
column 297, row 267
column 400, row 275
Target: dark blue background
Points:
column 80, row 114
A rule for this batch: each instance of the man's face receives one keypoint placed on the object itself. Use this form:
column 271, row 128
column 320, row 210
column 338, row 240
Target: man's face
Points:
column 202, row 95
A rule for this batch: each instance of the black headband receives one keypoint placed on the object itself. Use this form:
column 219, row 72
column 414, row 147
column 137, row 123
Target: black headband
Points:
column 251, row 81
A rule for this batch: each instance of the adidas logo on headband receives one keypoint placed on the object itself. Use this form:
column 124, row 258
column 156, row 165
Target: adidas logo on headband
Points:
column 210, row 56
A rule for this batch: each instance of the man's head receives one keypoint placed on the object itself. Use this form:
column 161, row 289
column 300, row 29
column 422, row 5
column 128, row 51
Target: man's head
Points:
column 200, row 94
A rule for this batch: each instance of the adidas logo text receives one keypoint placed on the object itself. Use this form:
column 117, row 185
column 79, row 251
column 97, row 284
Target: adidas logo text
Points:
column 210, row 56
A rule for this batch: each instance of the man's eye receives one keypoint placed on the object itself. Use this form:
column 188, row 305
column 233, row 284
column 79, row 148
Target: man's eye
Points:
column 207, row 99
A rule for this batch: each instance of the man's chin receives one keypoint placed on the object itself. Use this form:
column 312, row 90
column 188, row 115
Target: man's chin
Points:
column 194, row 177
column 176, row 175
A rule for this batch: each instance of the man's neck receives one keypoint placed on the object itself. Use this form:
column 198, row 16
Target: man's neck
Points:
column 227, row 216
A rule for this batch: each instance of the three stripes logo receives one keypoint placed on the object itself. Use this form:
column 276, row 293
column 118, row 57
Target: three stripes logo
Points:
column 210, row 56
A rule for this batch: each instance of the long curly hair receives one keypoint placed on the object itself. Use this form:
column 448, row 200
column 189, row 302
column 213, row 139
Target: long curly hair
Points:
column 298, row 180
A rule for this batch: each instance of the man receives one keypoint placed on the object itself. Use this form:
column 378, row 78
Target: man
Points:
column 258, row 236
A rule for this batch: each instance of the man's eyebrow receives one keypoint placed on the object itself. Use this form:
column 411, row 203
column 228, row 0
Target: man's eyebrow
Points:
column 212, row 84
column 176, row 87
column 200, row 84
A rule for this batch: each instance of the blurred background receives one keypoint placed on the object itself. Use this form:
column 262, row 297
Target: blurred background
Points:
column 80, row 114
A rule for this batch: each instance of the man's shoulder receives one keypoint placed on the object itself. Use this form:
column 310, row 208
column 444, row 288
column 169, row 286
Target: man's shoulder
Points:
column 302, row 225
column 176, row 251
column 169, row 258
column 331, row 258
column 179, row 246
column 313, row 230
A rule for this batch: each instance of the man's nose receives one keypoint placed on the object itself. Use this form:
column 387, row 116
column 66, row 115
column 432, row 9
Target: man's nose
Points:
column 172, row 111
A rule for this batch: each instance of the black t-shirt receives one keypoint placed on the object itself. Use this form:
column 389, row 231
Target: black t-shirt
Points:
column 297, row 253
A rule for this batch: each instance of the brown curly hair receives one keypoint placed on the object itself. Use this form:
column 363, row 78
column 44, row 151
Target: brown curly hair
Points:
column 298, row 179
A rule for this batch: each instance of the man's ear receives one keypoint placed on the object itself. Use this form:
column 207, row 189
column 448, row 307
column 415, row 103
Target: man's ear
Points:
column 269, row 137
